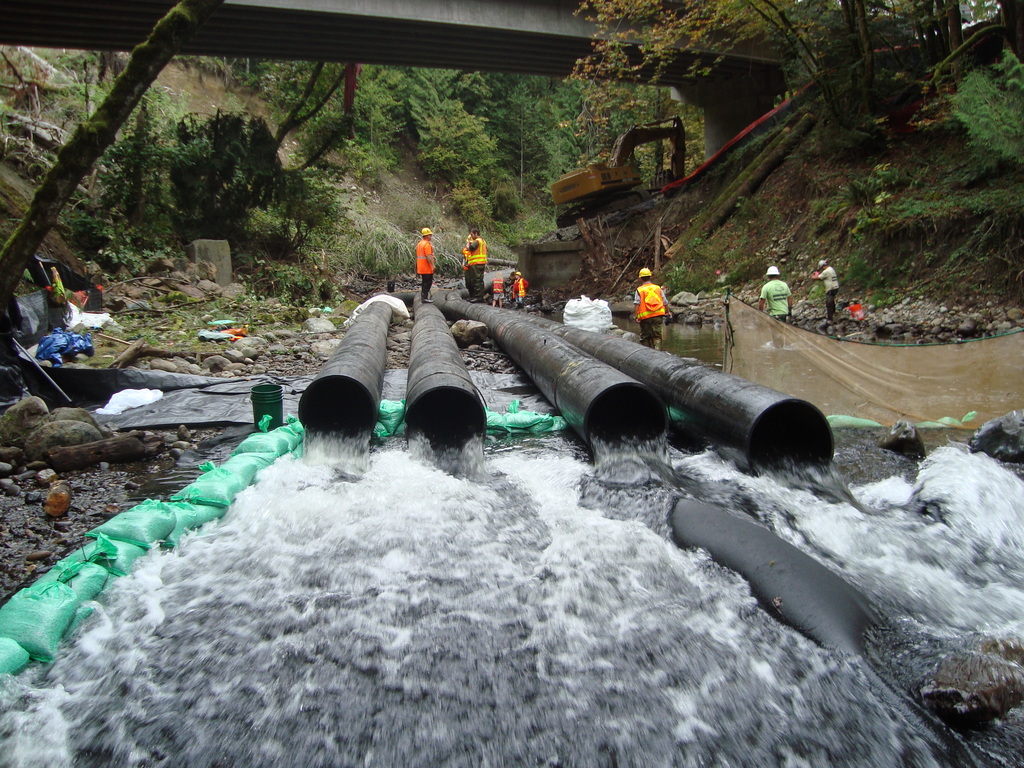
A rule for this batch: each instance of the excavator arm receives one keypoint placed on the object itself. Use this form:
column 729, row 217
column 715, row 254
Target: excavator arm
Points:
column 671, row 129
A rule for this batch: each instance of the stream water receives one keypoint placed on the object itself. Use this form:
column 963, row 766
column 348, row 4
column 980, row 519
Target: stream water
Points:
column 531, row 615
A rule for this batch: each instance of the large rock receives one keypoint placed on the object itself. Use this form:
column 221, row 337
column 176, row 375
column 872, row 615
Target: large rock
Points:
column 1001, row 438
column 58, row 433
column 972, row 689
column 903, row 438
column 469, row 332
column 75, row 414
column 20, row 419
column 318, row 325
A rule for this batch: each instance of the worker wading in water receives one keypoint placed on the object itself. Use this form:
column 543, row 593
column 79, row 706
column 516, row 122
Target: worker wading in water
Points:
column 425, row 263
column 651, row 310
column 475, row 261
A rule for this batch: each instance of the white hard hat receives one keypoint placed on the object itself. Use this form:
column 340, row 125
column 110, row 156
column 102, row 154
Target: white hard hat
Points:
column 822, row 263
column 773, row 271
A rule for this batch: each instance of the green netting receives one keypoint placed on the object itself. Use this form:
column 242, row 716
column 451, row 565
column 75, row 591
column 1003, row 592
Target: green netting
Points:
column 13, row 657
column 116, row 556
column 143, row 525
column 37, row 617
column 85, row 578
column 189, row 517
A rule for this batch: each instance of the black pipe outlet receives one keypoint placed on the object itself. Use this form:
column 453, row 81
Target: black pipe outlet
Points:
column 600, row 403
column 344, row 397
column 757, row 426
column 442, row 403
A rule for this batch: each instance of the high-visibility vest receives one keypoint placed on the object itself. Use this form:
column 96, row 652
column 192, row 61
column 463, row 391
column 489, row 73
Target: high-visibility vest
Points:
column 498, row 286
column 478, row 255
column 651, row 304
column 424, row 250
column 519, row 287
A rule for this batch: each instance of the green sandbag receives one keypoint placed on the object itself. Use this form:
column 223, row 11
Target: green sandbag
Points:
column 188, row 517
column 274, row 442
column 13, row 657
column 143, row 525
column 390, row 415
column 515, row 421
column 218, row 487
column 37, row 617
column 246, row 465
column 85, row 579
column 839, row 421
column 116, row 556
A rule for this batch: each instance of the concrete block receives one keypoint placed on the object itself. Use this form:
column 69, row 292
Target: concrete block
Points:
column 214, row 252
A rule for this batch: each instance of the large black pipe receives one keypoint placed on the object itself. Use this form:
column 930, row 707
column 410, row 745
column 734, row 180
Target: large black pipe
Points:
column 441, row 403
column 756, row 425
column 602, row 404
column 791, row 585
column 344, row 397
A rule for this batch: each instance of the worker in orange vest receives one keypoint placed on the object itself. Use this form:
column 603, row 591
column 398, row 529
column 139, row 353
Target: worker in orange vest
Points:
column 519, row 286
column 425, row 263
column 497, row 290
column 651, row 309
column 474, row 257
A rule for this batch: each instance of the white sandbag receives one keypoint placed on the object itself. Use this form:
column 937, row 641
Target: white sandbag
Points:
column 398, row 309
column 588, row 314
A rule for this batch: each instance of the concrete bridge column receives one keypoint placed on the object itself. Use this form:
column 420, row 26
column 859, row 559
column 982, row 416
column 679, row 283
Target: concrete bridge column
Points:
column 730, row 105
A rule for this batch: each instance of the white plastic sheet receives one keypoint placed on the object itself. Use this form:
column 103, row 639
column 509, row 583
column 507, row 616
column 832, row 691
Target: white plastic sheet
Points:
column 129, row 398
column 398, row 309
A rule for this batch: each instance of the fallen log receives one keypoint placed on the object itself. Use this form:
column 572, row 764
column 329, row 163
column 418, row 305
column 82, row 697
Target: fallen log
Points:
column 140, row 348
column 131, row 446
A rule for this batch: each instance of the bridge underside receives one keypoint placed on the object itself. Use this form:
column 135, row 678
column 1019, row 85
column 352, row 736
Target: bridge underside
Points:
column 549, row 45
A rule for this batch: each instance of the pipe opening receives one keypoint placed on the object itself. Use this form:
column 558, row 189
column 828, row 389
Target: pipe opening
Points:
column 790, row 431
column 626, row 414
column 338, row 405
column 447, row 417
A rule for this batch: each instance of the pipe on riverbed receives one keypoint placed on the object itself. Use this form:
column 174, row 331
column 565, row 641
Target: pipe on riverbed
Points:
column 790, row 584
column 601, row 404
column 344, row 397
column 442, row 404
column 756, row 426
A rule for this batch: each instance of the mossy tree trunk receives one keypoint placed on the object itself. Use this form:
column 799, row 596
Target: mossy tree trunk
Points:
column 92, row 137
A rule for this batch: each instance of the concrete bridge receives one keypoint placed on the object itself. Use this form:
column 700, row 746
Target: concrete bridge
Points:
column 534, row 37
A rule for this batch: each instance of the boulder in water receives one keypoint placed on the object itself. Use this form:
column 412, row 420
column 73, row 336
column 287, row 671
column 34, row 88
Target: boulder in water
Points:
column 972, row 689
column 904, row 439
column 1001, row 438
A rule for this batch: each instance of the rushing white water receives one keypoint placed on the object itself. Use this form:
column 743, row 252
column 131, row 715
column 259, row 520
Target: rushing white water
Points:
column 526, row 616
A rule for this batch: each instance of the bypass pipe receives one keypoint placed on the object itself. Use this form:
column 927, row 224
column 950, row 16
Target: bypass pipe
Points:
column 441, row 401
column 601, row 404
column 790, row 584
column 757, row 426
column 344, row 397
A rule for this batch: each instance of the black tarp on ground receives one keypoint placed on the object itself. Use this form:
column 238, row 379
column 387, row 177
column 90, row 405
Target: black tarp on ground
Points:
column 196, row 401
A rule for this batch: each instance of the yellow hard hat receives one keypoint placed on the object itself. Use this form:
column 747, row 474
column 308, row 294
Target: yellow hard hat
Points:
column 645, row 272
column 426, row 231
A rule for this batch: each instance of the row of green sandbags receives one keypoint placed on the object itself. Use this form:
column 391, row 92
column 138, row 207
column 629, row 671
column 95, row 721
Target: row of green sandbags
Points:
column 391, row 420
column 35, row 619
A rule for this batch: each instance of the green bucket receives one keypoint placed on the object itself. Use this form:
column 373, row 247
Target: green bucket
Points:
column 267, row 401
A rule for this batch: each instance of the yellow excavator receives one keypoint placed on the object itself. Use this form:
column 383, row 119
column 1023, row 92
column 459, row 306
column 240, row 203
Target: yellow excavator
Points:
column 604, row 187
